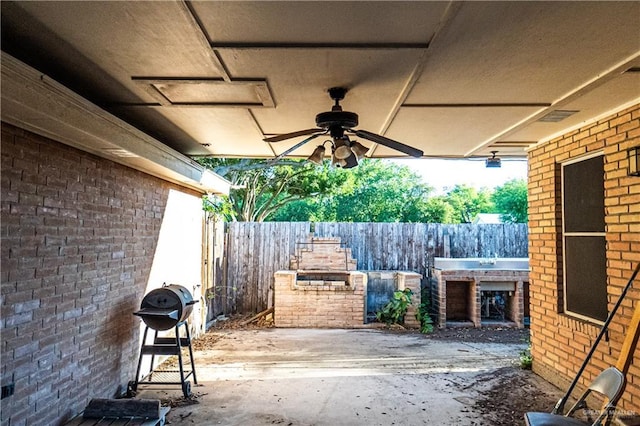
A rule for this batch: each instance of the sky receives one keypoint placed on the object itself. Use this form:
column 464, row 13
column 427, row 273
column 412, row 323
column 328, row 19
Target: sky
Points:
column 444, row 174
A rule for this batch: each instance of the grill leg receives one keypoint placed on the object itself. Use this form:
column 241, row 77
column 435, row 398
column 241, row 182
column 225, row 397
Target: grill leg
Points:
column 193, row 365
column 185, row 391
column 153, row 355
column 135, row 382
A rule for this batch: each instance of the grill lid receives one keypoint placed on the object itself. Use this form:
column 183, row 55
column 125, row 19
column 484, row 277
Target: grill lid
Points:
column 166, row 307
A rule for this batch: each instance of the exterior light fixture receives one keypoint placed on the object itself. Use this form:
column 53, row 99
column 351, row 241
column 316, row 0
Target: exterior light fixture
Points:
column 634, row 161
column 493, row 161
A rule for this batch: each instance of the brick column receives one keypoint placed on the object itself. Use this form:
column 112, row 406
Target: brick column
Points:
column 440, row 299
column 518, row 305
column 475, row 308
column 411, row 280
column 284, row 301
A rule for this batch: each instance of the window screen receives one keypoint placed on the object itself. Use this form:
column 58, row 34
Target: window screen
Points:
column 585, row 276
column 584, row 196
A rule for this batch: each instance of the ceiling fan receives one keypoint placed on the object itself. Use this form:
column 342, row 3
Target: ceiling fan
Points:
column 338, row 124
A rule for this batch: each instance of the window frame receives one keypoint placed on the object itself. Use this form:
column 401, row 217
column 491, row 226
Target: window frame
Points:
column 565, row 234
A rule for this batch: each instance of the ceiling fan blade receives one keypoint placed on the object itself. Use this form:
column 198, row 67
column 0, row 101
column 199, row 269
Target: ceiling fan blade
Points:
column 293, row 148
column 285, row 136
column 409, row 150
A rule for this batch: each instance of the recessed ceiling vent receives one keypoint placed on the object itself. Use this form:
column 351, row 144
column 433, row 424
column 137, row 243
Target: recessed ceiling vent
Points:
column 557, row 115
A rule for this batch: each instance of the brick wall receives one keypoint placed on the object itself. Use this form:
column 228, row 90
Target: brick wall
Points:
column 560, row 342
column 319, row 305
column 325, row 304
column 322, row 253
column 79, row 235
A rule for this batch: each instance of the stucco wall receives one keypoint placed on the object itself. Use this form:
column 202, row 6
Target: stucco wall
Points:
column 560, row 342
column 83, row 239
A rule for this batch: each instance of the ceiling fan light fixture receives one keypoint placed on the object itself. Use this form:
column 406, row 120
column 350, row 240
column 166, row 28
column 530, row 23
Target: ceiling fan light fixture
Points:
column 318, row 155
column 341, row 149
column 359, row 150
column 337, row 162
column 342, row 152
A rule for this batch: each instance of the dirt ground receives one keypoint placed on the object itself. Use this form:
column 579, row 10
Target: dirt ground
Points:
column 499, row 397
column 508, row 392
column 482, row 335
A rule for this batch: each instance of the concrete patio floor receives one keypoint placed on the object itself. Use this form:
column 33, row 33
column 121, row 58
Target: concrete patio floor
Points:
column 338, row 377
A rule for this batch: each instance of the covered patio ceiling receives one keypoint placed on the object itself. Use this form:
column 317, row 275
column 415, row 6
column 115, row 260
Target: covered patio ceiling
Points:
column 453, row 79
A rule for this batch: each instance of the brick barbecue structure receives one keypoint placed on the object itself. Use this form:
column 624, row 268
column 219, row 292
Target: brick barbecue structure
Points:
column 323, row 289
column 459, row 295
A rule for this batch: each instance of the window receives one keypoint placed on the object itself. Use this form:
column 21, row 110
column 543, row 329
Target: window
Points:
column 584, row 244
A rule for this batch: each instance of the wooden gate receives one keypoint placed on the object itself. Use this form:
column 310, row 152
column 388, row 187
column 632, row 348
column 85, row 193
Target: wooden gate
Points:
column 380, row 288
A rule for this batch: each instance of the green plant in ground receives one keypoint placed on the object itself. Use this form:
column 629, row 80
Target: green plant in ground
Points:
column 394, row 311
column 525, row 358
column 426, row 323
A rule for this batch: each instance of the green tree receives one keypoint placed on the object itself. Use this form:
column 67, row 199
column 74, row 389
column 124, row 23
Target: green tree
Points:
column 261, row 187
column 510, row 200
column 466, row 202
column 374, row 191
column 438, row 210
column 380, row 192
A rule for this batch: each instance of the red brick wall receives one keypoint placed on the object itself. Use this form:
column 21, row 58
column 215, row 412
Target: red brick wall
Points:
column 78, row 239
column 560, row 342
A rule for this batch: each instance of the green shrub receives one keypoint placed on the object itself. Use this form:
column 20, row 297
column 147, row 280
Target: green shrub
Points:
column 426, row 323
column 394, row 311
column 526, row 359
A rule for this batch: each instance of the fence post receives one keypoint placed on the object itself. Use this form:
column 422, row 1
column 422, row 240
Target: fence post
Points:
column 446, row 243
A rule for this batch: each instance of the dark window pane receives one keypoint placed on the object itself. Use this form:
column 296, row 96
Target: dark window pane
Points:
column 584, row 196
column 586, row 276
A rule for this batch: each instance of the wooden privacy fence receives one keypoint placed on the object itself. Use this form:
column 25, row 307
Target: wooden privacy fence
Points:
column 253, row 251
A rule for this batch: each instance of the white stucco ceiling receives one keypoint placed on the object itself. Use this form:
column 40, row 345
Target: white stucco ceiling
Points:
column 454, row 79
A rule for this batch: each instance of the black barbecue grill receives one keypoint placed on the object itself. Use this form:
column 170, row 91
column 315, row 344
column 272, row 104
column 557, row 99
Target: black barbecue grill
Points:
column 164, row 309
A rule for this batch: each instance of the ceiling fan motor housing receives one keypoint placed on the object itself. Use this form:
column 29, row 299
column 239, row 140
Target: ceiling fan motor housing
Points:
column 344, row 119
